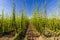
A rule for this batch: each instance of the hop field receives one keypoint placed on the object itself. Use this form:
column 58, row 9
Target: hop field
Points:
column 15, row 27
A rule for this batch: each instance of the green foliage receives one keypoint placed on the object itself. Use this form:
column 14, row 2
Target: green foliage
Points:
column 43, row 23
column 24, row 21
column 40, row 22
column 7, row 24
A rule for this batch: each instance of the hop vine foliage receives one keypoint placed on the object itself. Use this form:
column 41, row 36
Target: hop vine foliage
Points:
column 39, row 19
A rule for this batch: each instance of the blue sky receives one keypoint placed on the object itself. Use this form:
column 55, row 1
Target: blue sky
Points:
column 29, row 6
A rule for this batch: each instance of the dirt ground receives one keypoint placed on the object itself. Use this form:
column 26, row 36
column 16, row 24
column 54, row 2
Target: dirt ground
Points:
column 6, row 38
column 50, row 38
column 40, row 38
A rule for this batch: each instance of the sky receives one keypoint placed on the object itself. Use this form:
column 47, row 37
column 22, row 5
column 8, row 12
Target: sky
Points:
column 29, row 6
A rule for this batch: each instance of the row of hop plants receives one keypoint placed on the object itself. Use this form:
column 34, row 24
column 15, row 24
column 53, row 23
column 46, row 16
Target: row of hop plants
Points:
column 7, row 25
column 16, row 23
column 41, row 23
column 13, row 22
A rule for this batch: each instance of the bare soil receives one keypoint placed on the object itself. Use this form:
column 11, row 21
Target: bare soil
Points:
column 7, row 36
